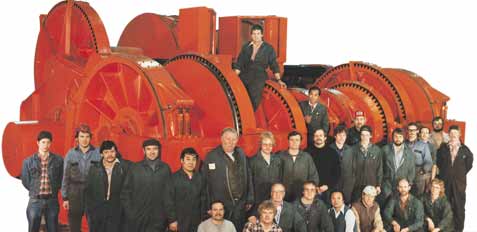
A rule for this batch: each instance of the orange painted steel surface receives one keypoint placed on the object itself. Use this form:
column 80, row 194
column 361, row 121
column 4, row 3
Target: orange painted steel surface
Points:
column 126, row 95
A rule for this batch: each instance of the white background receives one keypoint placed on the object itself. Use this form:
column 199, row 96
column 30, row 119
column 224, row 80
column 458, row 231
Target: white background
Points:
column 436, row 40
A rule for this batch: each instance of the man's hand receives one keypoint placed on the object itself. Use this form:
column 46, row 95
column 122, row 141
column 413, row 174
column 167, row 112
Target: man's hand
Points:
column 248, row 207
column 430, row 224
column 252, row 219
column 396, row 226
column 237, row 71
column 378, row 190
column 321, row 189
column 405, row 229
column 308, row 119
column 173, row 226
column 66, row 205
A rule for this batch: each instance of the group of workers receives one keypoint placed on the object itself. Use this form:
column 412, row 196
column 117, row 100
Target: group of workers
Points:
column 416, row 182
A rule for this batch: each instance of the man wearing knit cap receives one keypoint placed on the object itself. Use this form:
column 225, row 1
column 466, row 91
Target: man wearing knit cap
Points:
column 367, row 212
column 41, row 175
column 353, row 135
column 362, row 165
column 144, row 189
column 76, row 167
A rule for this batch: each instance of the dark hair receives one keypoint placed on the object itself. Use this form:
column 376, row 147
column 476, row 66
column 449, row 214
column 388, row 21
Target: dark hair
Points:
column 314, row 88
column 215, row 202
column 401, row 179
column 366, row 128
column 278, row 183
column 256, row 27
column 413, row 124
column 107, row 145
column 319, row 128
column 398, row 131
column 309, row 182
column 424, row 127
column 336, row 191
column 294, row 133
column 151, row 142
column 438, row 118
column 454, row 127
column 189, row 151
column 339, row 129
column 83, row 128
column 44, row 135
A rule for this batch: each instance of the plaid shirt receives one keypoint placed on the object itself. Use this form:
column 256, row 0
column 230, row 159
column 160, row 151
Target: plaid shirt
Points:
column 45, row 188
column 250, row 227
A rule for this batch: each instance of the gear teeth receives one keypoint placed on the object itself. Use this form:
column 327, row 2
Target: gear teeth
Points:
column 223, row 82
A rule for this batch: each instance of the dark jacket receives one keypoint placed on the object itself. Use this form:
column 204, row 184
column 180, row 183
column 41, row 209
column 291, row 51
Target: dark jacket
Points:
column 143, row 196
column 296, row 172
column 454, row 176
column 187, row 200
column 319, row 116
column 105, row 214
column 317, row 219
column 440, row 212
column 327, row 162
column 340, row 151
column 359, row 169
column 264, row 175
column 290, row 219
column 413, row 217
column 352, row 136
column 265, row 57
column 216, row 175
column 31, row 173
column 407, row 169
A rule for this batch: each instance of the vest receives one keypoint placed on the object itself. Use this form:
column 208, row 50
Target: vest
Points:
column 340, row 222
column 366, row 216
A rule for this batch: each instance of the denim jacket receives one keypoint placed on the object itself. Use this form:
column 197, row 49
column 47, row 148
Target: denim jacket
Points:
column 31, row 173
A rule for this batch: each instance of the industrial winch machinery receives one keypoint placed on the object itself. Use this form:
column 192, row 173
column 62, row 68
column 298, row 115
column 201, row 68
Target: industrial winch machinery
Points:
column 171, row 78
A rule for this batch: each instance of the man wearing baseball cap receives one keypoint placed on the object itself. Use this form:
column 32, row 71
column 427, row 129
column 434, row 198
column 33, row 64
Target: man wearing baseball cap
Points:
column 353, row 132
column 367, row 212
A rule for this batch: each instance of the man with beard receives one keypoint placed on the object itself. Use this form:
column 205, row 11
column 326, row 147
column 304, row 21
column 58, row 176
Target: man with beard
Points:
column 298, row 167
column 316, row 114
column 423, row 160
column 76, row 167
column 454, row 161
column 216, row 223
column 313, row 210
column 367, row 212
column 405, row 212
column 438, row 135
column 266, row 168
column 399, row 162
column 103, row 189
column 186, row 200
column 143, row 192
column 437, row 210
column 227, row 174
column 327, row 164
column 353, row 135
column 362, row 166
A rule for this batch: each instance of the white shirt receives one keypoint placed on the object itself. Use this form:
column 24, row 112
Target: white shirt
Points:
column 350, row 219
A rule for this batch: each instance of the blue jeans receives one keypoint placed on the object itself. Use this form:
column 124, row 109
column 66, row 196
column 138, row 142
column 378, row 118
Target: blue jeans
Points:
column 47, row 207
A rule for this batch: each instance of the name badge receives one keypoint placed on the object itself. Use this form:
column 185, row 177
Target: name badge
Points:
column 212, row 166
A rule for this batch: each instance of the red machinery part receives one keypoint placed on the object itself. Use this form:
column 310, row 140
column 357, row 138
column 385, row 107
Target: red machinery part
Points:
column 126, row 95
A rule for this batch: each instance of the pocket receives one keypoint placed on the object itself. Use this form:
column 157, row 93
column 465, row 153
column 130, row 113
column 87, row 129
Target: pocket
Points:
column 75, row 173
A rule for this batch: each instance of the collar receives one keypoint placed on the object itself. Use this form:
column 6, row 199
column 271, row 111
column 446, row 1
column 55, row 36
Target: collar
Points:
column 339, row 211
column 251, row 43
column 312, row 105
column 91, row 148
column 37, row 155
